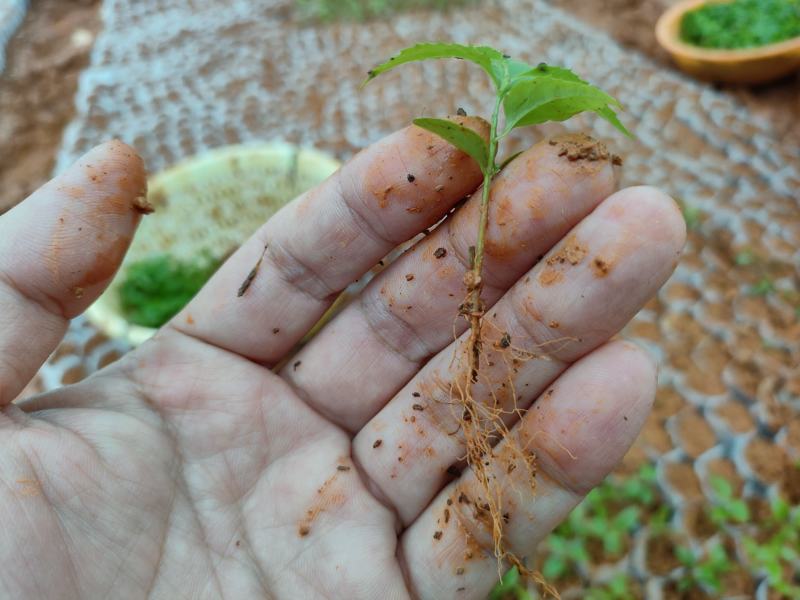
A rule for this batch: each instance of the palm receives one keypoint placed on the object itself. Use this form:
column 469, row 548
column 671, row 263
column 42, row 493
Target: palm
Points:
column 155, row 487
column 192, row 469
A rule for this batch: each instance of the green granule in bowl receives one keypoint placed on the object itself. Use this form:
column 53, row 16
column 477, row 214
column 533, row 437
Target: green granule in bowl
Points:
column 741, row 23
column 155, row 289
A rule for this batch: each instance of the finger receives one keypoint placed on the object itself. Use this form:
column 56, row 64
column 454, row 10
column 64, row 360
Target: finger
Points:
column 577, row 435
column 325, row 239
column 58, row 251
column 552, row 317
column 354, row 365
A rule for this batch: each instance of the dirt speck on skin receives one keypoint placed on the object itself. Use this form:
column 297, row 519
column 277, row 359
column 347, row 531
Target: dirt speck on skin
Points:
column 601, row 266
column 571, row 252
column 550, row 277
column 142, row 206
column 580, row 147
column 440, row 253
column 377, row 443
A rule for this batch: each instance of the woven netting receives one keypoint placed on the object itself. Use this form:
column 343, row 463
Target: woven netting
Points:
column 11, row 14
column 174, row 77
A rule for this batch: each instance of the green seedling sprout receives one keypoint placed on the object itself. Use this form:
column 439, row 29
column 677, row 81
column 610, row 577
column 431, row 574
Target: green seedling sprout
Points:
column 777, row 556
column 525, row 95
column 618, row 588
column 705, row 571
column 511, row 587
column 727, row 509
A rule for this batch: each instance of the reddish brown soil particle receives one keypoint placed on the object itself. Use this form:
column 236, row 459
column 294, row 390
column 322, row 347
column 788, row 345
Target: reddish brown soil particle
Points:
column 417, row 407
column 440, row 253
column 304, row 530
column 571, row 252
column 276, row 330
column 189, row 319
column 409, row 277
column 342, row 468
column 437, row 535
column 550, row 277
column 296, row 364
column 601, row 267
column 554, row 324
column 142, row 206
column 661, row 555
column 579, row 146
column 238, row 543
column 377, row 443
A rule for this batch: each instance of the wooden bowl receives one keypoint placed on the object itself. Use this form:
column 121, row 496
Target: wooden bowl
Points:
column 744, row 65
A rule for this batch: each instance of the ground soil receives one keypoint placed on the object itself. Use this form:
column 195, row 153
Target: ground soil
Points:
column 37, row 90
column 694, row 433
column 766, row 459
column 661, row 554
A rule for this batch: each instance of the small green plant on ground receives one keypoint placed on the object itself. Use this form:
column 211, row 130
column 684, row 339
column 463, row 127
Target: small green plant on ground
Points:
column 704, row 570
column 599, row 519
column 525, row 95
column 727, row 509
column 777, row 556
column 363, row 10
column 618, row 588
column 511, row 587
column 764, row 287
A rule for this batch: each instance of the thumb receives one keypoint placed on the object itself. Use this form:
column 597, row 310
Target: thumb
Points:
column 58, row 251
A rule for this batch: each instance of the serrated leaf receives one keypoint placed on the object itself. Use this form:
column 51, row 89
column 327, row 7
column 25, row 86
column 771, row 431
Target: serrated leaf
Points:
column 480, row 55
column 461, row 137
column 538, row 99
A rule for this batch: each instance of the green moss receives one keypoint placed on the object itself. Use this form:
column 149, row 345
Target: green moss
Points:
column 156, row 289
column 742, row 23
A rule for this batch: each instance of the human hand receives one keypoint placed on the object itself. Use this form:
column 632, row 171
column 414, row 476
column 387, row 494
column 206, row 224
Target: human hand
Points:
column 190, row 469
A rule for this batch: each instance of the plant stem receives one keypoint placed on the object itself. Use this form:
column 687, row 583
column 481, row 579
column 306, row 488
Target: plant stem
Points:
column 474, row 281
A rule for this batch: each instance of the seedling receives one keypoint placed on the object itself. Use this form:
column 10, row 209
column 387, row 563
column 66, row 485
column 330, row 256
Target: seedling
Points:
column 705, row 571
column 764, row 287
column 618, row 588
column 525, row 95
column 511, row 587
column 777, row 556
column 727, row 509
column 565, row 556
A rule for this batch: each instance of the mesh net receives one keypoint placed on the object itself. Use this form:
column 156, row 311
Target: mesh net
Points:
column 11, row 14
column 176, row 77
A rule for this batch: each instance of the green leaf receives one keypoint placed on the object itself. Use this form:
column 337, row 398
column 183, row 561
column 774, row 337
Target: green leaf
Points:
column 510, row 583
column 554, row 567
column 721, row 486
column 548, row 93
column 461, row 137
column 739, row 511
column 483, row 56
